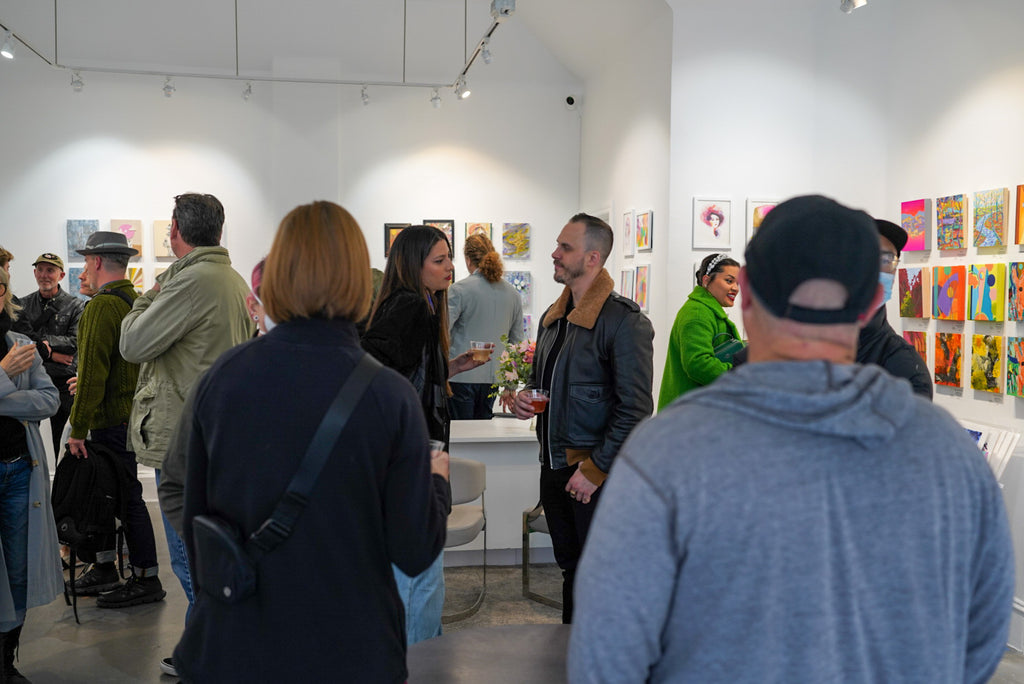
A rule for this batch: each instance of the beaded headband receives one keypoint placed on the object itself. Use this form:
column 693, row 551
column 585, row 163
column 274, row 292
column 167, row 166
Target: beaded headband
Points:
column 714, row 262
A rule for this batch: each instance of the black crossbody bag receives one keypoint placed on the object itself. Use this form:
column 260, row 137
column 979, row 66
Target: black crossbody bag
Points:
column 225, row 564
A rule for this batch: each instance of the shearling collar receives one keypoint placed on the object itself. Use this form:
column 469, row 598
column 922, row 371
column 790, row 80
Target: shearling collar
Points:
column 588, row 308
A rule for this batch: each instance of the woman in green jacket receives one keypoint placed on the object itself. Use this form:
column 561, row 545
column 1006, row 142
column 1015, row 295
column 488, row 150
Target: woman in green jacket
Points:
column 691, row 358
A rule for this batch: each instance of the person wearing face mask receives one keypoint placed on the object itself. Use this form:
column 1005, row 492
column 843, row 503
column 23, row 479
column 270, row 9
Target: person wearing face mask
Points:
column 879, row 343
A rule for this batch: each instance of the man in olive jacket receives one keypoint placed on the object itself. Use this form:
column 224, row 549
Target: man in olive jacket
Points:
column 194, row 313
column 594, row 355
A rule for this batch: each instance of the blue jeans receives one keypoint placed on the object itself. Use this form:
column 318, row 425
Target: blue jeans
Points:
column 423, row 598
column 179, row 558
column 469, row 401
column 14, row 488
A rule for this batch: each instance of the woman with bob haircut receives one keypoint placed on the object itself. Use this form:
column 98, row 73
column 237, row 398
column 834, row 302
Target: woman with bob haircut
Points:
column 481, row 307
column 408, row 331
column 326, row 607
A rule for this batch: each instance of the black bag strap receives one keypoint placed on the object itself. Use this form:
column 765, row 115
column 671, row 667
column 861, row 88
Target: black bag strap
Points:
column 279, row 525
column 120, row 294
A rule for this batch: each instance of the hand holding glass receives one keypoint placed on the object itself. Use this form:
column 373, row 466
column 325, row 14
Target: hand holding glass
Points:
column 538, row 399
column 481, row 351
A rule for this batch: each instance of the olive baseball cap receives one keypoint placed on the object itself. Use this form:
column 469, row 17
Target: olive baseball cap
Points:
column 49, row 258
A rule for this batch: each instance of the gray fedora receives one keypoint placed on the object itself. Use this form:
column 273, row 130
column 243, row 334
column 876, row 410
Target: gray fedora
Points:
column 107, row 242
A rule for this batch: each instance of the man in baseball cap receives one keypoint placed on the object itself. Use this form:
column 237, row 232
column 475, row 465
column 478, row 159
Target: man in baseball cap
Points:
column 812, row 497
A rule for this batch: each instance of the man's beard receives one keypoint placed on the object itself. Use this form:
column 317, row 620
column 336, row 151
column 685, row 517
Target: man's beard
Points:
column 568, row 275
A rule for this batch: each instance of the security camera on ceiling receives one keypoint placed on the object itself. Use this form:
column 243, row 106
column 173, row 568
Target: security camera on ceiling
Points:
column 571, row 102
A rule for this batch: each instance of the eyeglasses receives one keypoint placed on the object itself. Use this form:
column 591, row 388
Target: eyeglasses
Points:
column 888, row 261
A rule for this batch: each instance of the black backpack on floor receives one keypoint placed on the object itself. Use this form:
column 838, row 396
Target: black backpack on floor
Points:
column 90, row 498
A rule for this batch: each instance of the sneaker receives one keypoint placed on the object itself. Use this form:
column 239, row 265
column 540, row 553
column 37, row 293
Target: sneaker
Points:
column 167, row 667
column 134, row 592
column 98, row 579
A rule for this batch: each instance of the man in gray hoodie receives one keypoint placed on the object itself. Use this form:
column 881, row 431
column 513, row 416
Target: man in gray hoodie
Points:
column 804, row 518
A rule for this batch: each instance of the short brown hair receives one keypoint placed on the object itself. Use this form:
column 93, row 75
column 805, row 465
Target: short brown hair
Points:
column 318, row 266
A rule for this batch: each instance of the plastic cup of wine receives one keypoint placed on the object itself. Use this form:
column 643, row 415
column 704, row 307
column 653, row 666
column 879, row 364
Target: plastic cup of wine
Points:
column 538, row 399
column 480, row 351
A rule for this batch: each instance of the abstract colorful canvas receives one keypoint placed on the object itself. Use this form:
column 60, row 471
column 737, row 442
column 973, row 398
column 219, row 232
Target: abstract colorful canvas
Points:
column 645, row 231
column 1014, row 357
column 626, row 283
column 948, row 356
column 479, row 229
column 515, row 241
column 950, row 213
column 987, row 281
column 162, row 239
column 711, row 223
column 1015, row 293
column 446, row 226
column 628, row 231
column 756, row 211
column 986, row 361
column 949, row 292
column 135, row 275
column 990, row 217
column 78, row 231
column 919, row 341
column 391, row 231
column 643, row 287
column 915, row 215
column 522, row 281
column 915, row 292
column 132, row 230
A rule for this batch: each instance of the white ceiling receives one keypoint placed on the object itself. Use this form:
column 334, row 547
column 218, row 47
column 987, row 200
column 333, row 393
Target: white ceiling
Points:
column 375, row 41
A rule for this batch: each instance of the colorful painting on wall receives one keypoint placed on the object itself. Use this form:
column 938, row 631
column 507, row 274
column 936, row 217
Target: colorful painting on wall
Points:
column 645, row 231
column 918, row 339
column 990, row 217
column 915, row 292
column 915, row 215
column 949, row 221
column 522, row 281
column 756, row 211
column 986, row 361
column 135, row 275
column 446, row 226
column 74, row 282
column 479, row 229
column 515, row 241
column 1014, row 357
column 628, row 229
column 949, row 292
column 711, row 223
column 626, row 283
column 948, row 357
column 132, row 230
column 162, row 239
column 1015, row 293
column 987, row 281
column 1019, row 236
column 643, row 287
column 78, row 231
column 391, row 231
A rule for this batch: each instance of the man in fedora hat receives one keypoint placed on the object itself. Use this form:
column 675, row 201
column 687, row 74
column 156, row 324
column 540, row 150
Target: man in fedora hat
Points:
column 50, row 317
column 103, row 403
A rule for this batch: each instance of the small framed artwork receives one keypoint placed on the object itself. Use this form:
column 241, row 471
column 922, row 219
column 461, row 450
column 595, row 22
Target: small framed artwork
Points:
column 132, row 231
column 162, row 239
column 987, row 283
column 446, row 226
column 948, row 357
column 522, row 282
column 1019, row 235
column 74, row 282
column 78, row 231
column 643, row 287
column 626, row 283
column 757, row 209
column 949, row 221
column 1015, row 292
column 628, row 227
column 915, row 292
column 916, row 217
column 918, row 339
column 136, row 276
column 1014, row 357
column 711, row 223
column 515, row 241
column 391, row 231
column 479, row 229
column 986, row 363
column 645, row 231
column 949, row 292
column 990, row 217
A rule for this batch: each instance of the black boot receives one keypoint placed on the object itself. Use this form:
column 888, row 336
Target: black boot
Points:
column 9, row 644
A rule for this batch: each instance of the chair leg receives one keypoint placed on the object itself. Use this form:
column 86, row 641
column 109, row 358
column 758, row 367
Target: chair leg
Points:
column 473, row 609
column 527, row 593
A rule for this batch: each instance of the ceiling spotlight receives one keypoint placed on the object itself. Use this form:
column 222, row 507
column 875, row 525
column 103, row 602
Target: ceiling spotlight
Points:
column 365, row 96
column 76, row 82
column 849, row 5
column 461, row 89
column 485, row 51
column 7, row 49
column 247, row 91
column 435, row 99
column 168, row 87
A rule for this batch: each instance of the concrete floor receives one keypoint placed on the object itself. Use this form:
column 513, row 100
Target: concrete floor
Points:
column 126, row 645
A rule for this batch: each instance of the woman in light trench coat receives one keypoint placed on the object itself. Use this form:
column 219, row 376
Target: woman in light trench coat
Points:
column 30, row 569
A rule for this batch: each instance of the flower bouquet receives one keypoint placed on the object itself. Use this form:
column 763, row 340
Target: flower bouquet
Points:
column 513, row 370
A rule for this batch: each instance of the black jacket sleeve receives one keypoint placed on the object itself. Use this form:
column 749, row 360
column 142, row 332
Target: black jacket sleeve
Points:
column 399, row 332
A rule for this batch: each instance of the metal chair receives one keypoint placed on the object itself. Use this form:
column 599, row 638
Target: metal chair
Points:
column 534, row 521
column 467, row 520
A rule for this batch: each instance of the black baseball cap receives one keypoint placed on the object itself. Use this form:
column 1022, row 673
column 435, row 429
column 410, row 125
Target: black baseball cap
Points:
column 893, row 233
column 814, row 237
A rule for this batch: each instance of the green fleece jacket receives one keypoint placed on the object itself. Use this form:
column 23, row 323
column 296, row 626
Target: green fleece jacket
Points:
column 106, row 382
column 691, row 361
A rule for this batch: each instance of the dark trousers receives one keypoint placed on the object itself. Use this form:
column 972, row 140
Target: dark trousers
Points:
column 469, row 401
column 138, row 528
column 569, row 522
column 59, row 419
